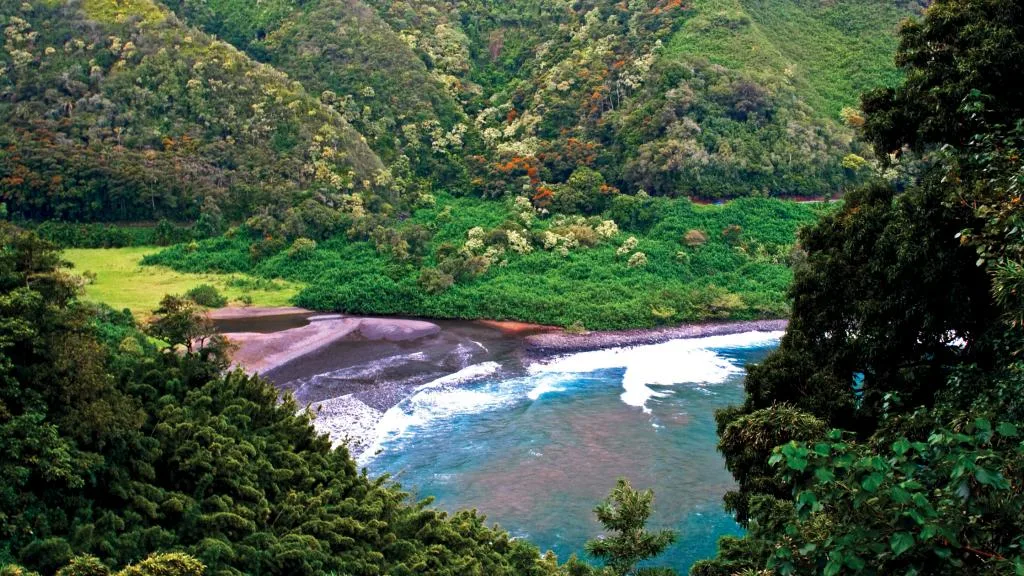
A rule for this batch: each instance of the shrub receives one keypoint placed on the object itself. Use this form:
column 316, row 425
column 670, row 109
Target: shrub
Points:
column 694, row 238
column 265, row 248
column 302, row 248
column 206, row 295
column 84, row 566
column 628, row 246
column 576, row 327
column 585, row 235
column 731, row 234
column 638, row 260
column 434, row 281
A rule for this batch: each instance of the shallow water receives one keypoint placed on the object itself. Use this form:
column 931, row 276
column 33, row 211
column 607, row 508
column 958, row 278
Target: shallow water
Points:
column 536, row 451
column 262, row 324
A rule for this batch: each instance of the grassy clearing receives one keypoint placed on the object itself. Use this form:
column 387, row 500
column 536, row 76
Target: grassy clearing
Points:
column 122, row 283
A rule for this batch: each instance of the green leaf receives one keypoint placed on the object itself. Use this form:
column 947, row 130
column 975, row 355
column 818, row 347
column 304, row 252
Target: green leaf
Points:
column 775, row 459
column 990, row 478
column 806, row 498
column 833, row 567
column 1007, row 429
column 824, row 475
column 899, row 495
column 900, row 542
column 872, row 482
column 854, row 562
column 901, row 446
column 928, row 532
column 797, row 463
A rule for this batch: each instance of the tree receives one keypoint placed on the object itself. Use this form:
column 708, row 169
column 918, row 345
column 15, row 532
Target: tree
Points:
column 904, row 339
column 960, row 48
column 180, row 322
column 624, row 516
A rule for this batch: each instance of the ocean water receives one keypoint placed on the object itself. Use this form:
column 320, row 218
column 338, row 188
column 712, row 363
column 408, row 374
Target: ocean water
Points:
column 536, row 451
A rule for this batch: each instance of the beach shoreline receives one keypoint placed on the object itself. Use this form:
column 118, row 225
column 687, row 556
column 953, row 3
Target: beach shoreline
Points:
column 349, row 413
column 562, row 342
column 265, row 352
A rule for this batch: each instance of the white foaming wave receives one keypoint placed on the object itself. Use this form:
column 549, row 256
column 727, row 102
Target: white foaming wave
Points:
column 546, row 383
column 438, row 399
column 467, row 374
column 691, row 360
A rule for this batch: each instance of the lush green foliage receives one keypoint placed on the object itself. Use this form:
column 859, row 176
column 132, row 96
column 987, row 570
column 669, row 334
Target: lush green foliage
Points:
column 120, row 443
column 169, row 564
column 464, row 258
column 121, row 111
column 68, row 235
column 206, row 295
column 905, row 340
column 118, row 111
column 625, row 515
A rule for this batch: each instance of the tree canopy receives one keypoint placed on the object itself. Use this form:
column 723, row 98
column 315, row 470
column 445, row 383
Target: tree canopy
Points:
column 883, row 435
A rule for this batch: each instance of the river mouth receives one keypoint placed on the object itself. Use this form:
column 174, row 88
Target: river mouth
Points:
column 267, row 324
column 469, row 416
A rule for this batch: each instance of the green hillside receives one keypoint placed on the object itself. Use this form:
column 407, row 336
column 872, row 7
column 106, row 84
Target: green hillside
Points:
column 829, row 52
column 119, row 111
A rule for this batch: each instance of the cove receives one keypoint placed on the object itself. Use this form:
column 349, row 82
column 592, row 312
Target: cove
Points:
column 536, row 448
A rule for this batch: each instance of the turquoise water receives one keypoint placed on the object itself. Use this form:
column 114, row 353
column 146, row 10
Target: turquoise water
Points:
column 536, row 451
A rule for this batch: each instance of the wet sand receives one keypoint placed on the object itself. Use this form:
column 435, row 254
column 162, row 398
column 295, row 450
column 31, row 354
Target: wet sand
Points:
column 260, row 352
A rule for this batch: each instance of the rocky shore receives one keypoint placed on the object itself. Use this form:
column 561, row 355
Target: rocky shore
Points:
column 552, row 343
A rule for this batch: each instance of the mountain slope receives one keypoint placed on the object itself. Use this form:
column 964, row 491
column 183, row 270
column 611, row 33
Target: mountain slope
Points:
column 711, row 98
column 381, row 85
column 119, row 111
column 830, row 52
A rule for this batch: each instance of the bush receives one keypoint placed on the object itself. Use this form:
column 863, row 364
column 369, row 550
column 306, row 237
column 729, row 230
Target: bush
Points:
column 206, row 295
column 84, row 566
column 694, row 238
column 434, row 281
column 302, row 248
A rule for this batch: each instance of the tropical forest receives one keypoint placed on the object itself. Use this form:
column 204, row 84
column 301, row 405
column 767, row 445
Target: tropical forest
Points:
column 519, row 287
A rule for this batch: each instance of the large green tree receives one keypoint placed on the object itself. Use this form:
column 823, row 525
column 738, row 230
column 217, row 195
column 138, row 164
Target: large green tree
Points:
column 905, row 333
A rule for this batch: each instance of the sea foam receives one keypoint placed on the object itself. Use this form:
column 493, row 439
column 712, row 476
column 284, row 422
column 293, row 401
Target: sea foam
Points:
column 692, row 360
column 440, row 398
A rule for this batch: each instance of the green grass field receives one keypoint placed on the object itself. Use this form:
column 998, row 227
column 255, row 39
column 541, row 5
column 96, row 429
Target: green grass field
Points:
column 122, row 283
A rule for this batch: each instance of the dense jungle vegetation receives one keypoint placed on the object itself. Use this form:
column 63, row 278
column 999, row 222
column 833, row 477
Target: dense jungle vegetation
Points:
column 119, row 451
column 483, row 159
column 136, row 110
column 464, row 258
column 884, row 436
column 355, row 145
